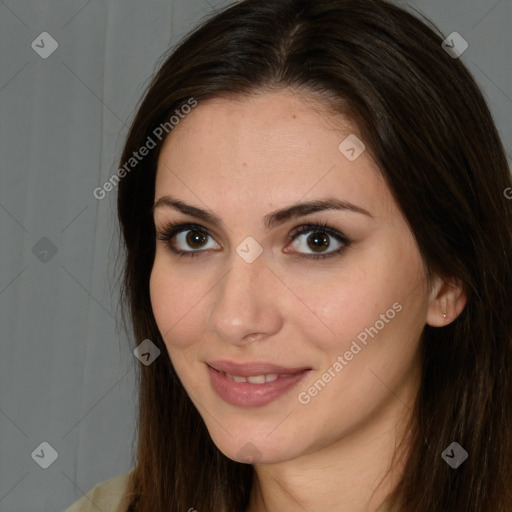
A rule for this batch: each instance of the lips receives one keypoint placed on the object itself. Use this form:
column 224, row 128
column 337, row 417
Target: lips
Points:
column 230, row 368
column 254, row 384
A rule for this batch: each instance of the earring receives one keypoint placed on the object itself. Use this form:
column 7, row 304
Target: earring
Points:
column 445, row 316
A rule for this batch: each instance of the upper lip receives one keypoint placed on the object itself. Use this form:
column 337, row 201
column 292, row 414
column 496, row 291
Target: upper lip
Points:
column 254, row 368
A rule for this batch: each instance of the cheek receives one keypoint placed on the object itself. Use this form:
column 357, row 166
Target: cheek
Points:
column 174, row 297
column 382, row 294
column 340, row 307
column 159, row 282
column 328, row 308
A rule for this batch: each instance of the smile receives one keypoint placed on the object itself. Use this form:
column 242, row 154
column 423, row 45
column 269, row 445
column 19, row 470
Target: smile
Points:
column 257, row 379
column 253, row 389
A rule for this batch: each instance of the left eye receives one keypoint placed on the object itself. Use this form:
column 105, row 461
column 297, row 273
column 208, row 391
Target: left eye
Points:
column 194, row 235
column 319, row 240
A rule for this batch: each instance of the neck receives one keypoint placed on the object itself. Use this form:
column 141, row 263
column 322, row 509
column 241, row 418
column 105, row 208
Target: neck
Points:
column 354, row 474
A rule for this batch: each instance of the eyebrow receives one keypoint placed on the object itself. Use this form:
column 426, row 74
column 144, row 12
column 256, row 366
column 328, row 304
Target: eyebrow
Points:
column 272, row 219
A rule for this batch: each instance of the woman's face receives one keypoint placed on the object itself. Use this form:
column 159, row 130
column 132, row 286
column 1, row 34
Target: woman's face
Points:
column 344, row 330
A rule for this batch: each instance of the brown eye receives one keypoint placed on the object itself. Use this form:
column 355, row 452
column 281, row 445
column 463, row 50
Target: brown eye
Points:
column 181, row 238
column 195, row 239
column 191, row 240
column 319, row 241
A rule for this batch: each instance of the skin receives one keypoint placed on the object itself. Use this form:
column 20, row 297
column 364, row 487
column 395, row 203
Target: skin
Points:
column 242, row 159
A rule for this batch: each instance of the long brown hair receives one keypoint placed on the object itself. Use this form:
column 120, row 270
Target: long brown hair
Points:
column 428, row 127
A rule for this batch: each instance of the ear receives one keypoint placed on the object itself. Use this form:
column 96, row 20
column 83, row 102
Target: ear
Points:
column 447, row 300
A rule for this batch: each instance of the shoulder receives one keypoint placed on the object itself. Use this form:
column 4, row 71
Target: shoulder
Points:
column 109, row 495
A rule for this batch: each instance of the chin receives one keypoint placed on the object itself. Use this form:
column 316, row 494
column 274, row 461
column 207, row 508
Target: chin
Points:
column 255, row 449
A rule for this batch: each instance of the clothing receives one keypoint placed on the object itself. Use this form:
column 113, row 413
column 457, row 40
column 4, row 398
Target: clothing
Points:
column 107, row 496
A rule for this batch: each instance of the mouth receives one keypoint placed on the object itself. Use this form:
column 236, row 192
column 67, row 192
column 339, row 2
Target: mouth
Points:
column 255, row 384
column 255, row 369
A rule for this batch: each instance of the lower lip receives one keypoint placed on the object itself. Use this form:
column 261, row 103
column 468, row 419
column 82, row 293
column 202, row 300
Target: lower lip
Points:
column 246, row 394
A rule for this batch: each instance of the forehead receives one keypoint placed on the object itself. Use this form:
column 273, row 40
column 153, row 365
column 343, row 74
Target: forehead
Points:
column 272, row 148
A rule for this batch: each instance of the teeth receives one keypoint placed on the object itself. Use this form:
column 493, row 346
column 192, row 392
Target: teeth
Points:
column 256, row 379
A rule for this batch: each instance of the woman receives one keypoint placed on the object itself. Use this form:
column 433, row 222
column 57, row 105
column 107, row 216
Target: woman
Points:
column 318, row 243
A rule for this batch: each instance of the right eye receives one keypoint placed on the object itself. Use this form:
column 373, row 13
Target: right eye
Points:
column 191, row 235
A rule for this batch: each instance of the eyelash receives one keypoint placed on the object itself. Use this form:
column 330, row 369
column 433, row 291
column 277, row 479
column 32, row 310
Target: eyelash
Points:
column 171, row 229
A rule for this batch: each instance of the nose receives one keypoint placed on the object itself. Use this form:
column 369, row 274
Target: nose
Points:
column 246, row 303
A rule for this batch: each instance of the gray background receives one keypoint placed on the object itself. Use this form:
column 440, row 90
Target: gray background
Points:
column 66, row 368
